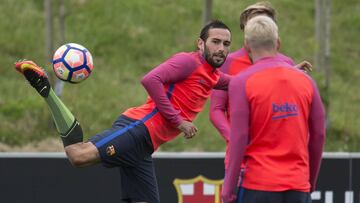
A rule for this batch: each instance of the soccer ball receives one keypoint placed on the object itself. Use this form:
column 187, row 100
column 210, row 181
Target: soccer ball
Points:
column 72, row 63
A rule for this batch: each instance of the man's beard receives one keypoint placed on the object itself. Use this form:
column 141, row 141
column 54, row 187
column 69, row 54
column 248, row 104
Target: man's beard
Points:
column 209, row 58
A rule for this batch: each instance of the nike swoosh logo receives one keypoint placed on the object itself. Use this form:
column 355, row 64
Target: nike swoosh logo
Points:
column 44, row 88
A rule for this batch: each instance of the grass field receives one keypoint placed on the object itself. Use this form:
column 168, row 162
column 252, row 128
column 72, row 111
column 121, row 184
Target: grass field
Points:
column 128, row 38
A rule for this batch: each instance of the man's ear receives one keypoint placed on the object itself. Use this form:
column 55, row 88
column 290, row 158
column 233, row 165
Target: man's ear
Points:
column 200, row 44
column 247, row 47
column 248, row 50
column 278, row 44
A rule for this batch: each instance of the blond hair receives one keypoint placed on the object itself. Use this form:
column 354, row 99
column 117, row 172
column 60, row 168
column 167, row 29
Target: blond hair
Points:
column 260, row 8
column 261, row 32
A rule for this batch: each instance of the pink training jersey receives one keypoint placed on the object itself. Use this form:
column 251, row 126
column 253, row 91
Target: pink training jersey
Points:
column 236, row 62
column 178, row 89
column 277, row 128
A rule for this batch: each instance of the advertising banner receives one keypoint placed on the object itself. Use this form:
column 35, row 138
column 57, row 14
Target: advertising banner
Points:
column 182, row 178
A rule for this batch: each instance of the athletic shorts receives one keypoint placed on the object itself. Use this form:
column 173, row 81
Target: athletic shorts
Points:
column 258, row 196
column 128, row 145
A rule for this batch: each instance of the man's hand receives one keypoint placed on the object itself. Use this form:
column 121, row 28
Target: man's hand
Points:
column 188, row 128
column 228, row 198
column 304, row 66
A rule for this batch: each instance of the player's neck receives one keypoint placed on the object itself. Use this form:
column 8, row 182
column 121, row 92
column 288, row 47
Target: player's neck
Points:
column 259, row 54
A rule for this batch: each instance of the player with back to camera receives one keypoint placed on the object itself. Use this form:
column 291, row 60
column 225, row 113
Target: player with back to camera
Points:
column 235, row 63
column 277, row 125
column 177, row 88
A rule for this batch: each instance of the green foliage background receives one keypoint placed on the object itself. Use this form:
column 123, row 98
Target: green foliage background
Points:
column 129, row 38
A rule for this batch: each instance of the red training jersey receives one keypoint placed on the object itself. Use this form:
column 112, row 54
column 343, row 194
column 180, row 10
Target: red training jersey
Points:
column 236, row 62
column 277, row 128
column 178, row 89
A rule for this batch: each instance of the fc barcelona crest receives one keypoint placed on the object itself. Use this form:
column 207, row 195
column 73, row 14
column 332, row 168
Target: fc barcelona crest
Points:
column 110, row 150
column 198, row 189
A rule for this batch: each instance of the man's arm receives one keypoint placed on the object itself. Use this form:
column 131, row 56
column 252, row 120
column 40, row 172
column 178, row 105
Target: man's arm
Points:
column 239, row 136
column 218, row 110
column 286, row 59
column 303, row 65
column 175, row 69
column 219, row 101
column 223, row 82
column 317, row 136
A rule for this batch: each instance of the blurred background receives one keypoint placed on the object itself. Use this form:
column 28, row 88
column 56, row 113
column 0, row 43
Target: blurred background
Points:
column 129, row 38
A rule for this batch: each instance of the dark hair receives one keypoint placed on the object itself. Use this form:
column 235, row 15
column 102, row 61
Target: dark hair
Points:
column 204, row 34
column 263, row 7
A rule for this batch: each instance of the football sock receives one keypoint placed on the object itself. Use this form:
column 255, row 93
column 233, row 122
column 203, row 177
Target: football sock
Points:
column 66, row 124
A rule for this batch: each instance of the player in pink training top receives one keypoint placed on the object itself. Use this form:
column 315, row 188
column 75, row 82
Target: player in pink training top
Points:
column 277, row 125
column 177, row 88
column 235, row 63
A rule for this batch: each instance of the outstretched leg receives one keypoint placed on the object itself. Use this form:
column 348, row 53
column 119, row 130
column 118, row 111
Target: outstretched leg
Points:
column 79, row 153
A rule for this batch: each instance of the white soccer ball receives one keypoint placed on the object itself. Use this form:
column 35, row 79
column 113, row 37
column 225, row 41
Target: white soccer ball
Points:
column 72, row 63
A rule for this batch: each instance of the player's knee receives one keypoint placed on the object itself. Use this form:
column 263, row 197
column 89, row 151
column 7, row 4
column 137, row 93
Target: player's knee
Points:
column 77, row 159
column 81, row 154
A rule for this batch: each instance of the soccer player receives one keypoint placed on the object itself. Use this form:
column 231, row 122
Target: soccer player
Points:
column 235, row 63
column 177, row 88
column 277, row 125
